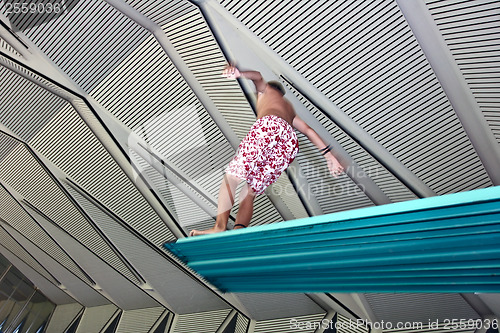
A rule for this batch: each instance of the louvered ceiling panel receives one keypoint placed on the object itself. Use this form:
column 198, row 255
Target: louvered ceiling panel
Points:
column 18, row 218
column 105, row 180
column 365, row 59
column 81, row 156
column 6, row 146
column 288, row 325
column 160, row 275
column 31, row 181
column 472, row 31
column 162, row 12
column 421, row 307
column 14, row 247
column 200, row 322
column 88, row 42
column 139, row 320
column 194, row 41
column 13, row 115
column 6, row 46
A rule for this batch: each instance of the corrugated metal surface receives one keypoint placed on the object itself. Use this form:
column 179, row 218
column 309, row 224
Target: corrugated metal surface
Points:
column 365, row 59
column 139, row 320
column 6, row 46
column 200, row 322
column 95, row 318
column 185, row 211
column 420, row 308
column 88, row 42
column 472, row 31
column 304, row 324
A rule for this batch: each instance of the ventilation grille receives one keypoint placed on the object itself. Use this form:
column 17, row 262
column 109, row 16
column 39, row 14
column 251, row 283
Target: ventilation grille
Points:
column 200, row 322
column 139, row 320
column 471, row 31
column 88, row 42
column 365, row 59
column 6, row 46
column 306, row 324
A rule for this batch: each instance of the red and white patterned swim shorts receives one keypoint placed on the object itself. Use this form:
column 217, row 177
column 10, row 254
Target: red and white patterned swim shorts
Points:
column 267, row 150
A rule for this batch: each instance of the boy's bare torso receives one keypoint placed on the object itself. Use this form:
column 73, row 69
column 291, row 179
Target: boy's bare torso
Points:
column 271, row 102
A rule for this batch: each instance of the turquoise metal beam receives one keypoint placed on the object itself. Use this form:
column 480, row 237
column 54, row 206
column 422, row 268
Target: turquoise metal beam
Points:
column 449, row 243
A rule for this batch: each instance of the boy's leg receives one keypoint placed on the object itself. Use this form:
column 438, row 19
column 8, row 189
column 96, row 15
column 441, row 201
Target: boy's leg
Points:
column 245, row 211
column 225, row 204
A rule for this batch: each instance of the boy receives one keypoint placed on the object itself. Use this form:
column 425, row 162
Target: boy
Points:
column 268, row 149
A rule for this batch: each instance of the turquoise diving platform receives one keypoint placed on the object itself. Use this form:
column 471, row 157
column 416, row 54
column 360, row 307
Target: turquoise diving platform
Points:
column 448, row 243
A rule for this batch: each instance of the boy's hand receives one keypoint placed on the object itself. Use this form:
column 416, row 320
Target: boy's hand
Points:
column 333, row 165
column 231, row 72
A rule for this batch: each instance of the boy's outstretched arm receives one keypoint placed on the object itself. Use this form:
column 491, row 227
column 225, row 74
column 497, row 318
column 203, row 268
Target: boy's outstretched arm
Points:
column 333, row 164
column 231, row 72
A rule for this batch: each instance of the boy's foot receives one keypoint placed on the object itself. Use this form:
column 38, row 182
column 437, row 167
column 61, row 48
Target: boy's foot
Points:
column 205, row 232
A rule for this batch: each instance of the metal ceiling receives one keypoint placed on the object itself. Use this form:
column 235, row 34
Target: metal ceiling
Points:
column 115, row 128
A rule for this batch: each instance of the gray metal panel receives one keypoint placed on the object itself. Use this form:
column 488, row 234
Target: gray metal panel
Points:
column 471, row 30
column 139, row 320
column 364, row 57
column 62, row 317
column 200, row 322
column 95, row 318
column 70, row 284
column 342, row 194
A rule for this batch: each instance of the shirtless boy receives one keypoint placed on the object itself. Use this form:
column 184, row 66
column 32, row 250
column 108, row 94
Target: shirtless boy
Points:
column 267, row 150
